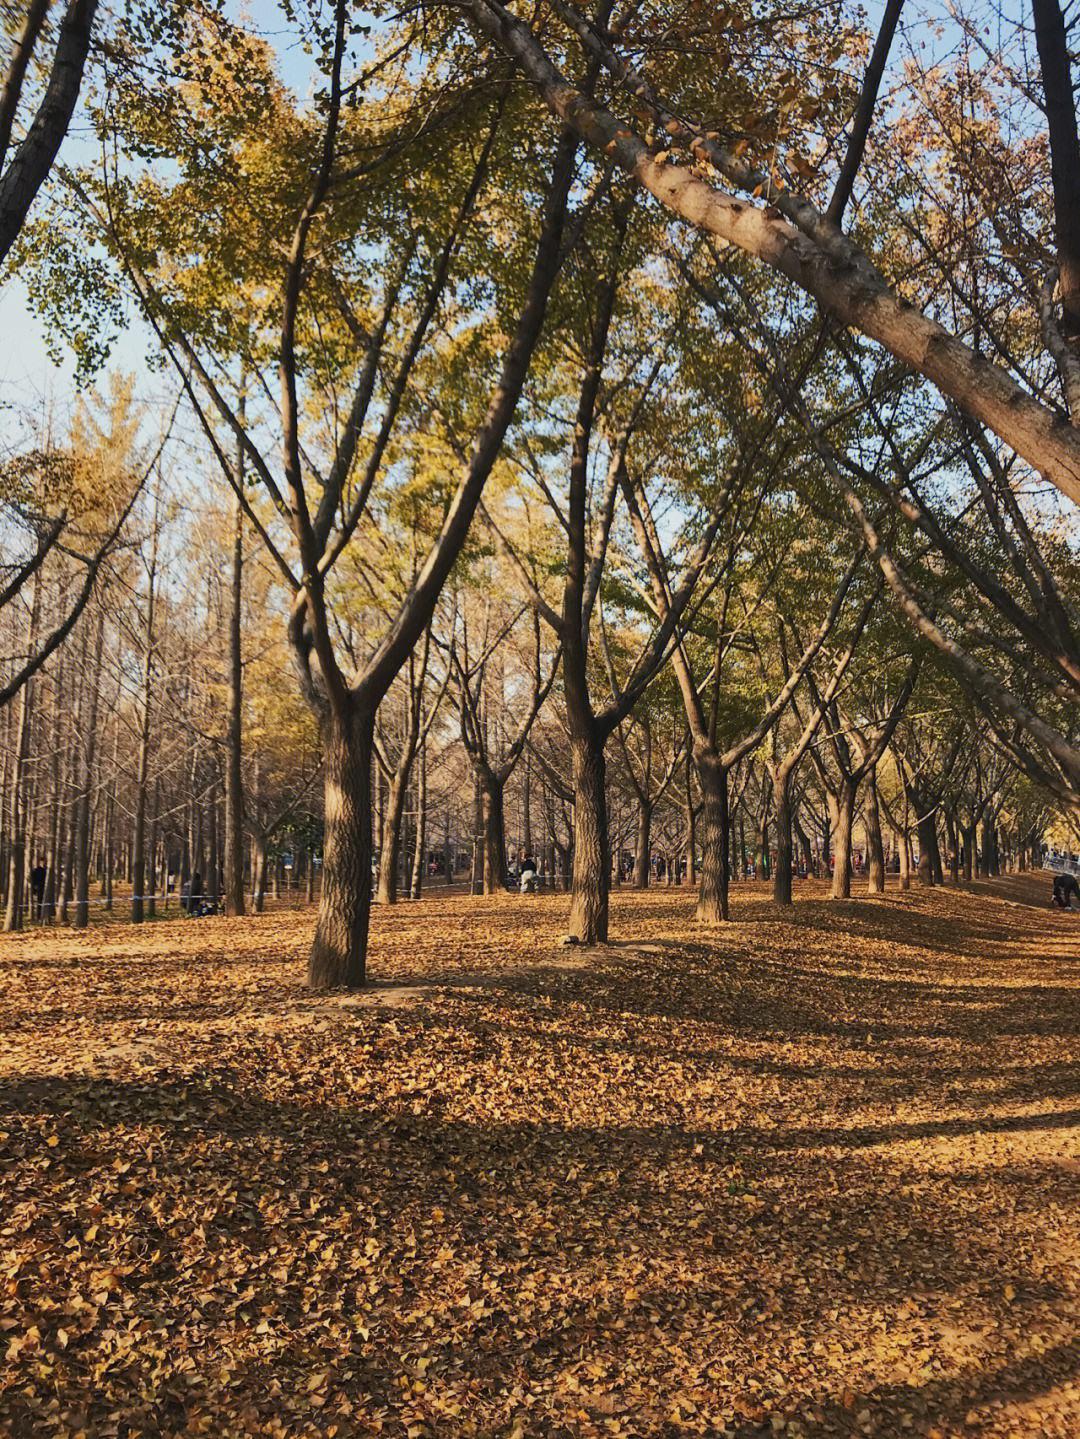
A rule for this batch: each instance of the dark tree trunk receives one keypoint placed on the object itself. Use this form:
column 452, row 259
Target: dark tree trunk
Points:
column 492, row 830
column 875, row 849
column 339, row 950
column 924, row 825
column 784, row 852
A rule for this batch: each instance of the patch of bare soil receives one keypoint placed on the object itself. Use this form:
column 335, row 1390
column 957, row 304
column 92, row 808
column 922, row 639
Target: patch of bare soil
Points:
column 815, row 1174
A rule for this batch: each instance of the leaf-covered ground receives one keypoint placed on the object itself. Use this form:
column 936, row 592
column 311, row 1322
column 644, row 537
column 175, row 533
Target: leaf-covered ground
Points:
column 817, row 1175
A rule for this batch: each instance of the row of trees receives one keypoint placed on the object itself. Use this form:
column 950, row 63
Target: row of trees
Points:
column 564, row 429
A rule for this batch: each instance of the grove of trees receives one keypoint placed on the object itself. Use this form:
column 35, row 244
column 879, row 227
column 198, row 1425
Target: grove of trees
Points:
column 643, row 438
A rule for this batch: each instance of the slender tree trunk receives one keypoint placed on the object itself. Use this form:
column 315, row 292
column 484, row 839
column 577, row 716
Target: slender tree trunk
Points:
column 258, row 864
column 875, row 849
column 13, row 916
column 784, row 850
column 82, row 820
column 643, row 845
column 592, row 857
column 339, row 951
column 142, row 764
column 416, row 887
column 391, row 837
column 152, row 853
column 234, row 755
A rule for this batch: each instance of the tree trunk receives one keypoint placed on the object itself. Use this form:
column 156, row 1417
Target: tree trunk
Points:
column 234, row 780
column 784, row 852
column 875, row 849
column 86, row 779
column 258, row 864
column 526, row 807
column 592, row 858
column 138, row 869
column 390, row 839
column 339, row 950
column 492, row 830
column 712, row 905
column 844, row 816
column 924, row 825
column 13, row 916
column 643, row 845
column 416, row 887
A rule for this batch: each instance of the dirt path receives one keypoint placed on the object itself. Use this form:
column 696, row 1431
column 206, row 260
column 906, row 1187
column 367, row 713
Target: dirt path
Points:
column 819, row 1174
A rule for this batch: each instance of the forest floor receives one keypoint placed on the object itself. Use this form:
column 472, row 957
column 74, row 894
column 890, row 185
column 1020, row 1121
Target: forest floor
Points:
column 818, row 1174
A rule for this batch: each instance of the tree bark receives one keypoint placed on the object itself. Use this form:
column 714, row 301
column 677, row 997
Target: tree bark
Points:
column 712, row 905
column 86, row 778
column 234, row 779
column 416, row 887
column 13, row 916
column 784, row 849
column 390, row 839
column 492, row 829
column 875, row 849
column 339, row 950
column 844, row 817
column 592, row 858
column 34, row 158
column 138, row 876
column 643, row 845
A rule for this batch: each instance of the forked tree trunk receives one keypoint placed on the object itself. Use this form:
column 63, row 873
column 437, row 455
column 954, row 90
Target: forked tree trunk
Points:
column 643, row 845
column 339, row 950
column 592, row 857
column 875, row 849
column 712, row 905
column 844, row 817
column 784, row 847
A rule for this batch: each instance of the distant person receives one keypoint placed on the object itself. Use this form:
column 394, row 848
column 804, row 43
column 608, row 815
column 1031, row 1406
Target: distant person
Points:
column 528, row 875
column 38, row 876
column 1066, row 890
column 194, row 893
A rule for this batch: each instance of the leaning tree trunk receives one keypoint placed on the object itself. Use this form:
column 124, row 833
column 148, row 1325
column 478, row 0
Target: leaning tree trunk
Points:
column 784, row 849
column 845, row 814
column 592, row 856
column 875, row 849
column 391, row 836
column 712, row 905
column 339, row 950
column 643, row 845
